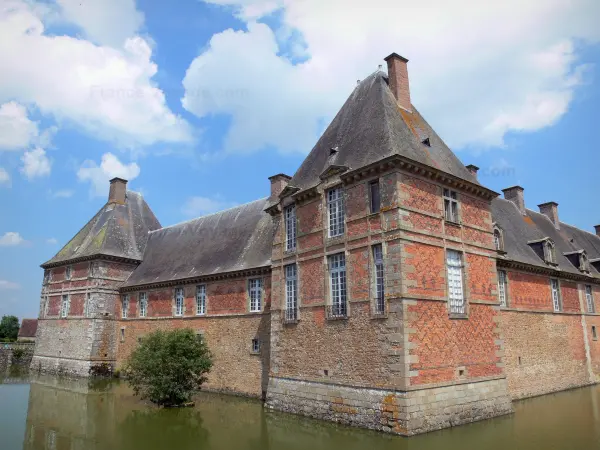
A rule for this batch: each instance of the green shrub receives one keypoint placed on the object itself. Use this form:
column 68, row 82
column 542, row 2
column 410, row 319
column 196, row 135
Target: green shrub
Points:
column 18, row 353
column 168, row 366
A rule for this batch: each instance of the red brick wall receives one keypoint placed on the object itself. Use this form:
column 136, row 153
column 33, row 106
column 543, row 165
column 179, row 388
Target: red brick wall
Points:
column 311, row 278
column 594, row 344
column 481, row 277
column 570, row 296
column 529, row 291
column 427, row 274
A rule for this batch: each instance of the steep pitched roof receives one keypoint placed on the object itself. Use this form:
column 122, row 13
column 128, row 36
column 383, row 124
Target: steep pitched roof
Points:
column 370, row 127
column 520, row 229
column 116, row 230
column 236, row 239
column 28, row 328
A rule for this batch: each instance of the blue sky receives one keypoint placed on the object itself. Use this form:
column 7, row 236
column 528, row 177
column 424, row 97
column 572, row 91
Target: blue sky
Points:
column 198, row 104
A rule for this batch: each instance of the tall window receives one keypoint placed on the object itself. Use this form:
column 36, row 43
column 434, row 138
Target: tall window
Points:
column 255, row 292
column 143, row 304
column 335, row 208
column 450, row 205
column 290, row 228
column 374, row 196
column 337, row 277
column 64, row 307
column 379, row 279
column 125, row 306
column 201, row 300
column 455, row 282
column 68, row 273
column 502, row 288
column 93, row 269
column 179, row 302
column 291, row 293
column 589, row 298
column 498, row 241
column 549, row 252
column 86, row 305
column 555, row 294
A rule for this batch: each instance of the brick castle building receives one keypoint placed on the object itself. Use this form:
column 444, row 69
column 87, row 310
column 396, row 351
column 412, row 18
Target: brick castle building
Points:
column 381, row 286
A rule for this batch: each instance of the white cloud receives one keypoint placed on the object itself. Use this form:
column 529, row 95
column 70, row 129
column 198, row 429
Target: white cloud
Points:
column 4, row 177
column 110, row 167
column 11, row 239
column 16, row 130
column 52, row 241
column 35, row 164
column 478, row 69
column 63, row 193
column 200, row 206
column 106, row 91
column 8, row 285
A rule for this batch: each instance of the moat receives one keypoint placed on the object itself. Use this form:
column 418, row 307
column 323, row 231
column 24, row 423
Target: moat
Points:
column 51, row 414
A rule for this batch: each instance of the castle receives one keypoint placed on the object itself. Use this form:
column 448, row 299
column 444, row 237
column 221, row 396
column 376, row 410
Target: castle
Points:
column 381, row 286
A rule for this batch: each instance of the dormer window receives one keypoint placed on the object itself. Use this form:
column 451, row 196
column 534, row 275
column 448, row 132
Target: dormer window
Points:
column 579, row 259
column 545, row 249
column 498, row 239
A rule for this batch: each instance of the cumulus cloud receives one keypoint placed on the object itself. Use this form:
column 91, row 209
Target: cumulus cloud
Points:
column 478, row 70
column 35, row 164
column 99, row 175
column 4, row 284
column 4, row 177
column 52, row 241
column 17, row 131
column 200, row 206
column 106, row 91
column 11, row 239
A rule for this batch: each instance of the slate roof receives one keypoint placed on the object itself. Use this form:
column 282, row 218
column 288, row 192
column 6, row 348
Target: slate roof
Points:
column 116, row 230
column 28, row 328
column 370, row 127
column 236, row 239
column 520, row 229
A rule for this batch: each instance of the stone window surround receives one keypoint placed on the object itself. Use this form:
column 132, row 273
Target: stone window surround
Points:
column 291, row 317
column 498, row 239
column 255, row 346
column 201, row 288
column 557, row 305
column 344, row 307
column 464, row 272
column 451, row 198
column 377, row 310
column 505, row 280
column 340, row 210
column 261, row 290
column 291, row 225
column 65, row 305
column 143, row 300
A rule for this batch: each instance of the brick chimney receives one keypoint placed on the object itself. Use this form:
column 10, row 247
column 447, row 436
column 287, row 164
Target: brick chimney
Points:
column 118, row 188
column 398, row 80
column 550, row 210
column 597, row 228
column 473, row 169
column 515, row 195
column 278, row 184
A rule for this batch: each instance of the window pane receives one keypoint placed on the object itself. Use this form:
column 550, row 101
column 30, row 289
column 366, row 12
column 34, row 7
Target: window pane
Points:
column 290, row 227
column 375, row 199
column 455, row 282
column 502, row 287
column 335, row 208
column 291, row 292
column 379, row 279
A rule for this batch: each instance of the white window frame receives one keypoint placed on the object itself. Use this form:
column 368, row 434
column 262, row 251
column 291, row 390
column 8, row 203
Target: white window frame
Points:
column 255, row 290
column 290, row 228
column 379, row 277
column 291, row 292
column 201, row 300
column 456, row 293
column 65, row 305
column 555, row 292
column 589, row 298
column 255, row 346
column 335, row 212
column 374, row 208
column 68, row 273
column 451, row 205
column 125, row 306
column 503, row 288
column 337, row 285
column 179, row 301
column 143, row 300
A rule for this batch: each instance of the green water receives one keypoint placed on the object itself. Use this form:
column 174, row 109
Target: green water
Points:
column 51, row 414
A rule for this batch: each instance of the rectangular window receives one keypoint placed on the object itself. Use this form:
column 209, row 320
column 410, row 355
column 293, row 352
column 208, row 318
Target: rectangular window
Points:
column 502, row 288
column 255, row 292
column 374, row 196
column 86, row 305
column 125, row 306
column 291, row 293
column 555, row 294
column 335, row 208
column 122, row 334
column 290, row 228
column 379, row 279
column 337, row 277
column 143, row 304
column 594, row 333
column 179, row 302
column 589, row 298
column 455, row 282
column 450, row 205
column 201, row 300
column 46, row 304
column 68, row 273
column 255, row 346
column 64, row 308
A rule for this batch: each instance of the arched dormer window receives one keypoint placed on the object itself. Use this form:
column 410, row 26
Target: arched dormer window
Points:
column 549, row 251
column 498, row 239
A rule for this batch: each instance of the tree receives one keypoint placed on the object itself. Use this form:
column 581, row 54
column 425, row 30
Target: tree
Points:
column 9, row 328
column 168, row 366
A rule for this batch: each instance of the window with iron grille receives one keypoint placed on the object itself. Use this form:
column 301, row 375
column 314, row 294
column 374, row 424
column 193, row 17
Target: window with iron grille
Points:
column 179, row 302
column 337, row 277
column 335, row 208
column 255, row 346
column 556, row 303
column 68, row 273
column 125, row 306
column 290, row 228
column 455, row 282
column 502, row 288
column 451, row 205
column 291, row 293
column 201, row 300
column 589, row 297
column 379, row 279
column 374, row 195
column 64, row 308
column 143, row 304
column 255, row 292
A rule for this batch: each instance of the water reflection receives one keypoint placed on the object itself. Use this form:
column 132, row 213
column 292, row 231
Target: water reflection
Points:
column 77, row 415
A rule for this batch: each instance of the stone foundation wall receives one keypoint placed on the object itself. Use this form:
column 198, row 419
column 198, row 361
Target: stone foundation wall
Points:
column 400, row 412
